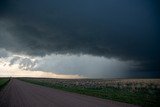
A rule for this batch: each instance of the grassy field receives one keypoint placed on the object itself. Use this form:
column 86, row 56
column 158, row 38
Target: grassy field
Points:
column 3, row 82
column 144, row 92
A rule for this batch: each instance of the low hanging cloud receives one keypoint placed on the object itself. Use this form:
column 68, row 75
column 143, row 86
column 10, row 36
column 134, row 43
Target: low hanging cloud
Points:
column 27, row 64
column 14, row 60
column 70, row 66
column 23, row 63
column 66, row 64
column 85, row 65
column 3, row 53
column 124, row 30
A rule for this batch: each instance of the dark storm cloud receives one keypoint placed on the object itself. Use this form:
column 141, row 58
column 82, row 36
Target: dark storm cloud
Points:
column 3, row 5
column 128, row 29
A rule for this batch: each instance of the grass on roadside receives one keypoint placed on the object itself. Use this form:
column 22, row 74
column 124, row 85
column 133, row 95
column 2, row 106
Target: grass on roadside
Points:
column 3, row 82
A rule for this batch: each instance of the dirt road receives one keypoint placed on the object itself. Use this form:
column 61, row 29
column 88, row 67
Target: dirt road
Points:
column 21, row 94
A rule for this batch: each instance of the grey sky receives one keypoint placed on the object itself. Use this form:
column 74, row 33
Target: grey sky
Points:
column 126, row 30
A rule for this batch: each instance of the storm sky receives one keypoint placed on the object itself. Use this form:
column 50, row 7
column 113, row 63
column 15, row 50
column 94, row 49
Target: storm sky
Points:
column 81, row 38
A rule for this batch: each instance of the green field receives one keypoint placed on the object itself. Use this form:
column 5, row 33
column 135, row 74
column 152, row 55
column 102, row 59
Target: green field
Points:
column 139, row 92
column 3, row 82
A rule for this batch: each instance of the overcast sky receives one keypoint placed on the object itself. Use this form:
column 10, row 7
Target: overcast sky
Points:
column 80, row 38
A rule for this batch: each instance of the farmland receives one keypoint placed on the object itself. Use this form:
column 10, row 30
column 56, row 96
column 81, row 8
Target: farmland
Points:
column 3, row 82
column 144, row 92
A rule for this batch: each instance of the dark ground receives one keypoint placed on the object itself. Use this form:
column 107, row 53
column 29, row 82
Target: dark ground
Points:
column 21, row 94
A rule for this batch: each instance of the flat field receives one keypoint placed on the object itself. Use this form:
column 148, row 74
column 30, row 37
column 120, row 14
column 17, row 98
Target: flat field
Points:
column 143, row 92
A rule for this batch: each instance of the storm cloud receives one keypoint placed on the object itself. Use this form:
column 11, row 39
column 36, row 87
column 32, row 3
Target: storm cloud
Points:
column 3, row 53
column 23, row 63
column 126, row 30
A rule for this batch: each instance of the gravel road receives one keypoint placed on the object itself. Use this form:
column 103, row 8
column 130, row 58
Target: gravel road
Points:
column 21, row 94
